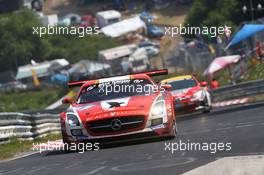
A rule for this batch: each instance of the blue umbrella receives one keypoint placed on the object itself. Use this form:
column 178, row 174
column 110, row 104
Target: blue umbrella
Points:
column 146, row 16
column 245, row 32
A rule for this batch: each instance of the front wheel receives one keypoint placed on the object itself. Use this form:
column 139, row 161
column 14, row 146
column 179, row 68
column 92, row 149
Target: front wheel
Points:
column 207, row 110
column 207, row 105
column 174, row 130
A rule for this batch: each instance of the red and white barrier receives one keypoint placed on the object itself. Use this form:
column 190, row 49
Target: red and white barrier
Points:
column 230, row 102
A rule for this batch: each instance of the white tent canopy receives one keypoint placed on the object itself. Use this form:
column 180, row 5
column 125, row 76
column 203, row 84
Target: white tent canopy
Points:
column 41, row 69
column 123, row 27
column 220, row 63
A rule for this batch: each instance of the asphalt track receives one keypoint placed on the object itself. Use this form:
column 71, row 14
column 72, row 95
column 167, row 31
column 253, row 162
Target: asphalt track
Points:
column 242, row 126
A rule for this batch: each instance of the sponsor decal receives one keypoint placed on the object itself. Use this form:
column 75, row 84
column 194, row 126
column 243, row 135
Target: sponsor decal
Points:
column 108, row 104
column 117, row 113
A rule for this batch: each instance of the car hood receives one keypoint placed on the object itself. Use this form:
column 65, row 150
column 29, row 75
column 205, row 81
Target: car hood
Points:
column 135, row 105
column 185, row 93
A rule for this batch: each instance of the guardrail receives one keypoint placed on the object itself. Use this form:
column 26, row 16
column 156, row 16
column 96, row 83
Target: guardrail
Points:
column 31, row 126
column 244, row 89
column 27, row 126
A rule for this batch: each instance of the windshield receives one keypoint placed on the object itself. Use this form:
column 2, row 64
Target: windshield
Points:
column 182, row 84
column 138, row 63
column 115, row 89
column 113, row 20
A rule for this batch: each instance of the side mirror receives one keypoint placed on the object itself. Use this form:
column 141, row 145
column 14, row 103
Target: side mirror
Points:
column 166, row 86
column 67, row 101
column 204, row 84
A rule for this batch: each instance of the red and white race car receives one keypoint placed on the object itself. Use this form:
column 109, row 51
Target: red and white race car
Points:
column 119, row 108
column 189, row 94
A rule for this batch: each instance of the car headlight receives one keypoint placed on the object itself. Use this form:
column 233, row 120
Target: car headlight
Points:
column 158, row 110
column 73, row 120
column 157, row 114
column 199, row 95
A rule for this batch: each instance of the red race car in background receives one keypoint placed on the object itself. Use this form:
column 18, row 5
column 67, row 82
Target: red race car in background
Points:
column 105, row 111
column 87, row 21
column 189, row 94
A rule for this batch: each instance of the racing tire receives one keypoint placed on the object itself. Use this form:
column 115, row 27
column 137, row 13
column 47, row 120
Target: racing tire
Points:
column 174, row 130
column 207, row 107
column 207, row 110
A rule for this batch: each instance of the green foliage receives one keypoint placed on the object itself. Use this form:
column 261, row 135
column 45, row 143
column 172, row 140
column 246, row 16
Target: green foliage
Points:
column 74, row 48
column 217, row 13
column 16, row 45
column 29, row 100
column 255, row 72
column 197, row 13
column 221, row 12
column 213, row 13
column 19, row 45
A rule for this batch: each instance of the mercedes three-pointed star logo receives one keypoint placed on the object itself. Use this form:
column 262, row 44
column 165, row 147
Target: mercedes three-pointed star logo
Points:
column 116, row 124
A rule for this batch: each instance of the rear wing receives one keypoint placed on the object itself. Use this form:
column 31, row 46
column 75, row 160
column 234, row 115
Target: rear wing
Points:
column 76, row 83
column 149, row 73
column 155, row 72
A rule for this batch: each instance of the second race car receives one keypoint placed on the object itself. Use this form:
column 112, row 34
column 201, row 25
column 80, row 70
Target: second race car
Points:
column 189, row 94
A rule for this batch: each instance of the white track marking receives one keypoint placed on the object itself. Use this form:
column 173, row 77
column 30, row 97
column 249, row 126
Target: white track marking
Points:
column 95, row 170
column 242, row 126
column 250, row 165
column 221, row 129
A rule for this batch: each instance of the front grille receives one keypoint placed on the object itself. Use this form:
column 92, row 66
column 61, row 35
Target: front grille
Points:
column 104, row 126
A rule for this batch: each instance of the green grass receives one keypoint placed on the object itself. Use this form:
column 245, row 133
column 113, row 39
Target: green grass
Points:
column 255, row 72
column 16, row 146
column 30, row 100
column 257, row 98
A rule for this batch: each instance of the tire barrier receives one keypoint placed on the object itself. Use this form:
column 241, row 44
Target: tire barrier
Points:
column 27, row 126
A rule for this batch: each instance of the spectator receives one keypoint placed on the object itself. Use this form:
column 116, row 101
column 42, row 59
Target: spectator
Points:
column 214, row 84
column 259, row 51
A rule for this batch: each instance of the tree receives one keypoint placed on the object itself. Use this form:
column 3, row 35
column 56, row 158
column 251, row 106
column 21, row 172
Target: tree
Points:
column 221, row 12
column 16, row 41
column 19, row 45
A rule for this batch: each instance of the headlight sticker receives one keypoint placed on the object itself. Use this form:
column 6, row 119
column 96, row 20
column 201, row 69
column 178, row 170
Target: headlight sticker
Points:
column 81, row 108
